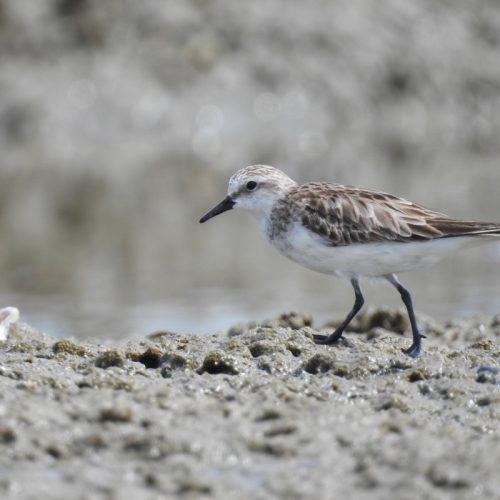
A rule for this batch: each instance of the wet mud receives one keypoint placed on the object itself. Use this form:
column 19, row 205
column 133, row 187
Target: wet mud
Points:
column 257, row 412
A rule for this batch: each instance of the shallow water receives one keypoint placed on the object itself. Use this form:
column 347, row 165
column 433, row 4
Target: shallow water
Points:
column 466, row 284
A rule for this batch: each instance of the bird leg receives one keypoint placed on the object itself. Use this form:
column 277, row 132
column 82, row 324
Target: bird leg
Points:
column 358, row 304
column 414, row 349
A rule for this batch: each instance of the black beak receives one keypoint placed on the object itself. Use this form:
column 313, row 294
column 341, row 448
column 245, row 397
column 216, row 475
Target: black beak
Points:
column 226, row 204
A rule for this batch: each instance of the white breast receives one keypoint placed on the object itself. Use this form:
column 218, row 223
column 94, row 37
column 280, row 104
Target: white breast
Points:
column 366, row 259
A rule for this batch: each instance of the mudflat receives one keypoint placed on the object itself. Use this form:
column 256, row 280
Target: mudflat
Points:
column 258, row 412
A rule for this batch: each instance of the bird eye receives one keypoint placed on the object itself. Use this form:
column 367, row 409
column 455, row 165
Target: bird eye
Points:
column 251, row 185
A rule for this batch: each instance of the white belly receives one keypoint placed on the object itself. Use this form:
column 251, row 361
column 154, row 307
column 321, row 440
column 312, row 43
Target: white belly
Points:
column 366, row 259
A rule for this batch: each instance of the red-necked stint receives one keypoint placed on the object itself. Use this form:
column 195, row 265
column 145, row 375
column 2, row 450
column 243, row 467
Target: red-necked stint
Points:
column 349, row 232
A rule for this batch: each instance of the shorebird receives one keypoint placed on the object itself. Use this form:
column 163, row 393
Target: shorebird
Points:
column 349, row 232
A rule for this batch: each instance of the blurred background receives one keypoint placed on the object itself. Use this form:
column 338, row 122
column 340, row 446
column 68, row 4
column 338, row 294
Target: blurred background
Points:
column 121, row 121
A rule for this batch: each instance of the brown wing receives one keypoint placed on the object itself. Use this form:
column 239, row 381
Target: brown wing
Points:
column 344, row 215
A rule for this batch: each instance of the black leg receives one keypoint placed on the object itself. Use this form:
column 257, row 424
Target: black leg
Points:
column 414, row 349
column 358, row 304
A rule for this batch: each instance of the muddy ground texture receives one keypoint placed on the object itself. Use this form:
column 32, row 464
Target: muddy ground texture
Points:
column 258, row 412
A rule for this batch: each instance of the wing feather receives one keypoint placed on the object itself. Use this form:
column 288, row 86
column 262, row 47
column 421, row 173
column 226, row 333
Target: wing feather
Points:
column 344, row 215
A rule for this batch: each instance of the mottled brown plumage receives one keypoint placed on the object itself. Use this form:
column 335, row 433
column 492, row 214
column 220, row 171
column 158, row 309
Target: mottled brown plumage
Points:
column 344, row 215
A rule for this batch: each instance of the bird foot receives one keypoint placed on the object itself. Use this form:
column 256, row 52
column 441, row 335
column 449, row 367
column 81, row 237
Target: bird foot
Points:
column 413, row 351
column 326, row 339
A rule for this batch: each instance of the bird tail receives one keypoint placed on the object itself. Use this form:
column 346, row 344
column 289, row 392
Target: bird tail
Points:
column 453, row 228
